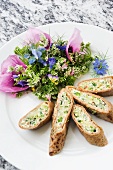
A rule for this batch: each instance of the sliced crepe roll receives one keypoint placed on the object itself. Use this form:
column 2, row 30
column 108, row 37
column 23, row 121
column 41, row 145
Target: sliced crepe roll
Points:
column 97, row 105
column 102, row 86
column 37, row 117
column 93, row 133
column 60, row 121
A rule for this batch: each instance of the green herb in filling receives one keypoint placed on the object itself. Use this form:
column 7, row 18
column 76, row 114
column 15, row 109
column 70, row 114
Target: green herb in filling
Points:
column 60, row 119
column 34, row 117
column 94, row 84
column 77, row 93
column 84, row 120
column 90, row 128
column 89, row 99
column 62, row 110
column 97, row 84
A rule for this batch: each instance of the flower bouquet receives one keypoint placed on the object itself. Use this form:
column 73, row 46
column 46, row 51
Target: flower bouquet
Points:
column 43, row 66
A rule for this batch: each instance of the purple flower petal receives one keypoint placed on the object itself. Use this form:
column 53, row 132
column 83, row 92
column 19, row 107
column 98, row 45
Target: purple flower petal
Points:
column 51, row 62
column 62, row 48
column 33, row 36
column 53, row 79
column 12, row 60
column 49, row 76
column 74, row 43
column 22, row 83
column 7, row 84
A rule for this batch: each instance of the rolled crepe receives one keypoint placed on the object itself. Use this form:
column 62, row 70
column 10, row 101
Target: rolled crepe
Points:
column 102, row 86
column 60, row 121
column 38, row 116
column 95, row 104
column 93, row 133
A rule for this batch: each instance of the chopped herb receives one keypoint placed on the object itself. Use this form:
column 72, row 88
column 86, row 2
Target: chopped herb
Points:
column 60, row 119
column 94, row 84
column 77, row 93
column 79, row 120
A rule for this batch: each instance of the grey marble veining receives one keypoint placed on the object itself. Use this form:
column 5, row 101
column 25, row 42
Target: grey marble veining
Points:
column 17, row 15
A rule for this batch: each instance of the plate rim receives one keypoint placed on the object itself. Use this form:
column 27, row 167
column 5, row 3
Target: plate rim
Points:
column 4, row 46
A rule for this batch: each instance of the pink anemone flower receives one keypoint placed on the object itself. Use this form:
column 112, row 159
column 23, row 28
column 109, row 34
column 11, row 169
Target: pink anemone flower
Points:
column 34, row 35
column 7, row 77
column 74, row 43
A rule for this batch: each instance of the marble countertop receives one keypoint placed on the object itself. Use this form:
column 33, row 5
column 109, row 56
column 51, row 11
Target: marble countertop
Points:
column 16, row 16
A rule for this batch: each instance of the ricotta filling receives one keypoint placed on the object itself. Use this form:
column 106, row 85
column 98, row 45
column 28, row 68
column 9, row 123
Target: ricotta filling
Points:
column 97, row 85
column 84, row 120
column 35, row 117
column 90, row 100
column 62, row 111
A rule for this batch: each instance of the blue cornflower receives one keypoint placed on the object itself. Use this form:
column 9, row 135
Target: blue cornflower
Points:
column 37, row 54
column 32, row 60
column 41, row 49
column 62, row 48
column 40, row 60
column 51, row 62
column 100, row 66
column 26, row 56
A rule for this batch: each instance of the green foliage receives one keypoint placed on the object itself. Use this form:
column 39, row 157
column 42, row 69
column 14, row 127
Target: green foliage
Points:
column 36, row 74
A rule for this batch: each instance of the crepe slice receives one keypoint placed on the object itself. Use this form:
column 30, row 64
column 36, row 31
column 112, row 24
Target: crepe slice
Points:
column 37, row 117
column 93, row 133
column 95, row 104
column 102, row 86
column 60, row 121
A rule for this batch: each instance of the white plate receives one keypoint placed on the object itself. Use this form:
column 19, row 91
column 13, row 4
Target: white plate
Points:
column 28, row 150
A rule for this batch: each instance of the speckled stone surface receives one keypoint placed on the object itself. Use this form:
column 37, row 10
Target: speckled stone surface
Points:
column 16, row 16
